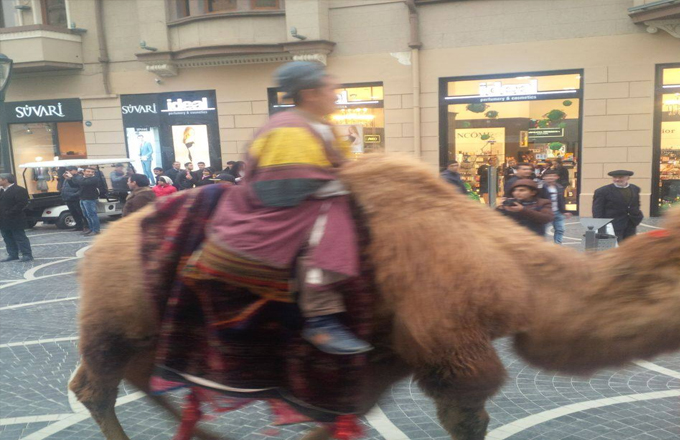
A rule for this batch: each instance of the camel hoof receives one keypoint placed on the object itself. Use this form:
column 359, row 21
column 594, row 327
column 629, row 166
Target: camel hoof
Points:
column 320, row 433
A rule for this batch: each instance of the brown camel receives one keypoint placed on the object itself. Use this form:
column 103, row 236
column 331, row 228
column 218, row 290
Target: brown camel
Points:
column 451, row 275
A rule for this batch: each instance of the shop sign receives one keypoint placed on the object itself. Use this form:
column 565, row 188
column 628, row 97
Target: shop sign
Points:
column 372, row 139
column 497, row 88
column 180, row 106
column 62, row 110
column 535, row 133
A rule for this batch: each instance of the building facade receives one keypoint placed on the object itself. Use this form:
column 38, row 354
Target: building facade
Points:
column 593, row 82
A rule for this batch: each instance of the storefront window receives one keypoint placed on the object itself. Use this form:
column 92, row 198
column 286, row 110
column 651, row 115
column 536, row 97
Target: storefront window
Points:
column 667, row 139
column 507, row 119
column 359, row 120
column 188, row 8
column 43, row 141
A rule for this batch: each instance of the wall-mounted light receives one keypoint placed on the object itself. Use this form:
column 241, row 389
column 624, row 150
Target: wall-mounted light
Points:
column 143, row 45
column 23, row 7
column 294, row 34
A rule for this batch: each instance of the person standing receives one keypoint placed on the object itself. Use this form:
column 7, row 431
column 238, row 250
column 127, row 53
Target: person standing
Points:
column 523, row 171
column 164, row 187
column 71, row 195
column 119, row 178
column 157, row 172
column 526, row 207
column 89, row 194
column 619, row 200
column 452, row 176
column 145, row 155
column 483, row 173
column 553, row 191
column 187, row 177
column 13, row 200
column 562, row 173
column 173, row 173
column 140, row 196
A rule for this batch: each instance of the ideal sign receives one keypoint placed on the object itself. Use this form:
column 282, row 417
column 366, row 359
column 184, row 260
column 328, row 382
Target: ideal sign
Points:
column 497, row 88
column 191, row 107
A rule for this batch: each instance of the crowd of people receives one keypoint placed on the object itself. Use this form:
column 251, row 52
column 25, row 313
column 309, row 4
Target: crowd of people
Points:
column 533, row 196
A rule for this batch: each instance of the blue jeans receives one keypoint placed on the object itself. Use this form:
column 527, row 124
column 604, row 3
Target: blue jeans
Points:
column 89, row 208
column 558, row 225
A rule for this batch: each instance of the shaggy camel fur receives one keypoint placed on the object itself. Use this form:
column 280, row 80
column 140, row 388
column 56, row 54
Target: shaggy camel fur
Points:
column 451, row 275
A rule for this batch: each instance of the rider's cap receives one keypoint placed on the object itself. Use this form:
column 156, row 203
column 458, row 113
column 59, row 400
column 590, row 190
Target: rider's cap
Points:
column 299, row 75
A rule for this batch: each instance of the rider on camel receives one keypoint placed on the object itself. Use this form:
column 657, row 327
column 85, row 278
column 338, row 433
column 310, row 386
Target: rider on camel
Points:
column 292, row 213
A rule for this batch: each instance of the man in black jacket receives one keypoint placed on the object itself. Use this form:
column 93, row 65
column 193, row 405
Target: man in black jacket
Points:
column 71, row 195
column 89, row 184
column 13, row 200
column 187, row 177
column 620, row 201
column 452, row 176
column 173, row 173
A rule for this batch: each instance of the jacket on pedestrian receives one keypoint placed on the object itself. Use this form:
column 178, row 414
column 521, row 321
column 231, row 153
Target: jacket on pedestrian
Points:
column 70, row 193
column 609, row 202
column 119, row 181
column 561, row 201
column 185, row 183
column 173, row 174
column 455, row 179
column 89, row 186
column 162, row 191
column 138, row 198
column 537, row 212
column 13, row 200
column 562, row 176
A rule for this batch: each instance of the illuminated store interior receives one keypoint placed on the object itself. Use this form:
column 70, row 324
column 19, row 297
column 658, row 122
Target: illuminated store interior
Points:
column 668, row 139
column 532, row 118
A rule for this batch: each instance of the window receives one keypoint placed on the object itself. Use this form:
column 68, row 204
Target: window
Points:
column 359, row 119
column 8, row 14
column 666, row 190
column 197, row 8
column 533, row 117
column 264, row 4
column 35, row 142
column 54, row 12
column 220, row 5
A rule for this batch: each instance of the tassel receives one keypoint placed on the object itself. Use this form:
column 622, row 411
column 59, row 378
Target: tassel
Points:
column 191, row 415
column 347, row 428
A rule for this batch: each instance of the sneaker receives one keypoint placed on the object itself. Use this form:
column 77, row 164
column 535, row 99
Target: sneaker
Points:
column 9, row 259
column 329, row 335
column 88, row 233
column 26, row 258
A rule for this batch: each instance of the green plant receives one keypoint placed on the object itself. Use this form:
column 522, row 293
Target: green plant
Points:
column 492, row 114
column 567, row 103
column 543, row 123
column 555, row 115
column 466, row 124
column 485, row 137
column 476, row 107
column 556, row 146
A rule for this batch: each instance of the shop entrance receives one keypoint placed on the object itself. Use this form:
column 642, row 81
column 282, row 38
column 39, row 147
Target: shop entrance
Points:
column 502, row 120
column 666, row 190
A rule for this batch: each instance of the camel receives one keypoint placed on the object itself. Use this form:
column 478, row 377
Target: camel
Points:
column 451, row 277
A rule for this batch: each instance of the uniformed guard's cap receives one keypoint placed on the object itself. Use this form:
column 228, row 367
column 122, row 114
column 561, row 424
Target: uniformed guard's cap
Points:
column 299, row 75
column 620, row 173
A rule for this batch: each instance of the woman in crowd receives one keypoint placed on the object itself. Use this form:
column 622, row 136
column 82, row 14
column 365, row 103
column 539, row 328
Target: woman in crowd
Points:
column 164, row 187
column 206, row 177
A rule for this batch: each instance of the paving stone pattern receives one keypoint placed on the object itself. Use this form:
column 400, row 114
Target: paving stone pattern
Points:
column 34, row 372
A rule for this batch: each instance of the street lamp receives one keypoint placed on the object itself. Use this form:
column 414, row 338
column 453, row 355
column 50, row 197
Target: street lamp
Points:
column 5, row 74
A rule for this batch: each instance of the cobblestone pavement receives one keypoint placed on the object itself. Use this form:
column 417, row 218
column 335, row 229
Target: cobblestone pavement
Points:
column 38, row 355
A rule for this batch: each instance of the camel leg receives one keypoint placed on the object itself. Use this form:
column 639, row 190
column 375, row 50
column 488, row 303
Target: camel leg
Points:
column 320, row 433
column 461, row 387
column 98, row 394
column 464, row 421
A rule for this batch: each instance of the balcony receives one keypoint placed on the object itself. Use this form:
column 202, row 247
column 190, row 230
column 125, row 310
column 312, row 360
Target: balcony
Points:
column 657, row 15
column 42, row 48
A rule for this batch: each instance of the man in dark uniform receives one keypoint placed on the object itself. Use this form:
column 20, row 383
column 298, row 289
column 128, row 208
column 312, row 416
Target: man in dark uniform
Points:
column 620, row 201
column 13, row 200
